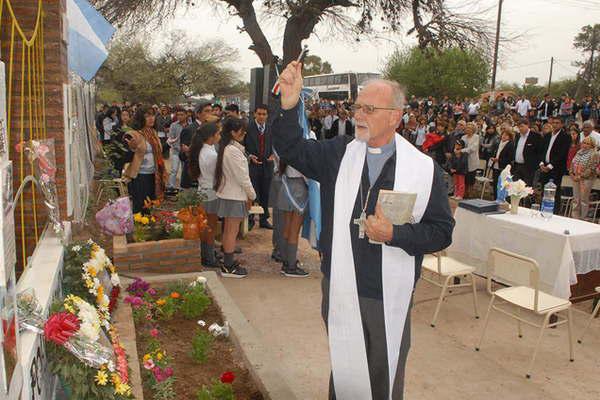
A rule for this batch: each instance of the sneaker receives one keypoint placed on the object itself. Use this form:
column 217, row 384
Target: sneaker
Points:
column 235, row 271
column 295, row 272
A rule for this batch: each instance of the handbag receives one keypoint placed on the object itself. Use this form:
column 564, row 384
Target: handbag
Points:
column 116, row 217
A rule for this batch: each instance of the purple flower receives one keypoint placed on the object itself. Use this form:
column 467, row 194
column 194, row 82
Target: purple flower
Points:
column 135, row 301
column 159, row 375
column 152, row 292
column 138, row 287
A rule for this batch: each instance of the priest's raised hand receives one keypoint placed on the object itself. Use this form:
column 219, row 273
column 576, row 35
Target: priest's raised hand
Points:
column 290, row 84
column 378, row 228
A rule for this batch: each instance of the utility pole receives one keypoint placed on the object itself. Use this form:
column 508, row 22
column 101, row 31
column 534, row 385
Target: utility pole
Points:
column 495, row 66
column 550, row 78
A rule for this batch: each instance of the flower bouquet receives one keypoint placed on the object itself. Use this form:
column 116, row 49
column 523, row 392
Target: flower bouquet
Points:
column 79, row 351
column 90, row 274
column 155, row 224
column 517, row 190
column 116, row 218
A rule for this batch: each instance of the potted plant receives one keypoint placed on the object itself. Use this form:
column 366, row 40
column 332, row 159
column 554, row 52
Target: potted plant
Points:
column 191, row 213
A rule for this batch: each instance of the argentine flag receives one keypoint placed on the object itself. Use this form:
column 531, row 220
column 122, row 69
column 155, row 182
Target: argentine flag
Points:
column 311, row 230
column 89, row 34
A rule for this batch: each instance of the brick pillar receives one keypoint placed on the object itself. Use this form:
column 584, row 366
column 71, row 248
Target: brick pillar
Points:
column 56, row 74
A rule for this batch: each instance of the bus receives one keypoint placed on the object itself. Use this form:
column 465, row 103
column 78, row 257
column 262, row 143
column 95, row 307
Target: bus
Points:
column 338, row 86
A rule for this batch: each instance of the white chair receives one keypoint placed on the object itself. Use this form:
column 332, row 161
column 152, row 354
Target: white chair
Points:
column 486, row 178
column 444, row 269
column 594, row 313
column 523, row 273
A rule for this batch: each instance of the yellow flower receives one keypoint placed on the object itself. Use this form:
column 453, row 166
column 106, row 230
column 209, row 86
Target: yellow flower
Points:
column 123, row 389
column 92, row 272
column 153, row 219
column 137, row 217
column 161, row 302
column 159, row 356
column 101, row 378
column 147, row 357
column 145, row 221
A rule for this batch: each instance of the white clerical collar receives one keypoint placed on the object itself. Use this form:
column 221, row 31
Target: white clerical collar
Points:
column 375, row 150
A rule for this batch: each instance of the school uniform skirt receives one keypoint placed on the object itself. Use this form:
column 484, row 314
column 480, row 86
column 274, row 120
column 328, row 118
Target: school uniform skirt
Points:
column 231, row 208
column 274, row 191
column 210, row 206
column 293, row 195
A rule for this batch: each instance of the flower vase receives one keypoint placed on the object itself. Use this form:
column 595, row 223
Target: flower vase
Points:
column 514, row 204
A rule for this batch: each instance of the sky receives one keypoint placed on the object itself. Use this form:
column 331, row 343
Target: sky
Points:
column 547, row 28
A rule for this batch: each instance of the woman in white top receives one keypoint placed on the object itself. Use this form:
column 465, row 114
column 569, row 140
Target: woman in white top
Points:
column 472, row 149
column 203, row 162
column 108, row 123
column 234, row 191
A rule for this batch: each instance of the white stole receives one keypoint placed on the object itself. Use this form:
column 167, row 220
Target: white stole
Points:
column 414, row 173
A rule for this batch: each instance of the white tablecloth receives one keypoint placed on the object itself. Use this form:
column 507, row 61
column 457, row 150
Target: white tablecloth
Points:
column 560, row 255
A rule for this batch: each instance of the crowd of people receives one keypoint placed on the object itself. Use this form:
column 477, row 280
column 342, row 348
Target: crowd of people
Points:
column 541, row 138
column 228, row 155
column 222, row 153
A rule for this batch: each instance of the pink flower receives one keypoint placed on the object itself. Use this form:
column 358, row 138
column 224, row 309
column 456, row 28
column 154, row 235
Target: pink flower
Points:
column 152, row 292
column 135, row 301
column 149, row 317
column 149, row 364
column 159, row 375
column 154, row 332
column 169, row 372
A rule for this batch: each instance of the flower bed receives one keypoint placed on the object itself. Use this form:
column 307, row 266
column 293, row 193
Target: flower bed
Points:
column 183, row 348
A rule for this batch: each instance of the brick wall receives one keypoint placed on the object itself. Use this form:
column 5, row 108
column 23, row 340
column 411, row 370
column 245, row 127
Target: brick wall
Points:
column 165, row 256
column 56, row 74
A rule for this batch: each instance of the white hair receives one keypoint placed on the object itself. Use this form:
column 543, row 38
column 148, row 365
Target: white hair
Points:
column 398, row 96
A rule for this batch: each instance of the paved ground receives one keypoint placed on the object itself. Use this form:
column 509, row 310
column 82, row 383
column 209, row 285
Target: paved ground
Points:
column 442, row 363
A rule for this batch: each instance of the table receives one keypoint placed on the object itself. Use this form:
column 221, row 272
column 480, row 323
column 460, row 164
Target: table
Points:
column 561, row 256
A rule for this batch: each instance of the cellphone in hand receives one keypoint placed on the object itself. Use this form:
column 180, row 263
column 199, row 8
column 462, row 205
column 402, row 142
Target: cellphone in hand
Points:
column 127, row 136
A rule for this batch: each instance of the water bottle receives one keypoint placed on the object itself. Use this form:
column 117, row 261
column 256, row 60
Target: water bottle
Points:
column 548, row 199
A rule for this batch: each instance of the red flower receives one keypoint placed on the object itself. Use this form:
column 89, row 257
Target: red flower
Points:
column 60, row 327
column 227, row 377
column 114, row 297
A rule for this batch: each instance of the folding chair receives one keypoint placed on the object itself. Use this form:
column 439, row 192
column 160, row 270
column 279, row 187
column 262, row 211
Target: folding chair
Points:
column 594, row 313
column 523, row 272
column 445, row 269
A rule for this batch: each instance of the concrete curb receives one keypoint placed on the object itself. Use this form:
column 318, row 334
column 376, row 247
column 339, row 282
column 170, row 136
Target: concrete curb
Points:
column 263, row 368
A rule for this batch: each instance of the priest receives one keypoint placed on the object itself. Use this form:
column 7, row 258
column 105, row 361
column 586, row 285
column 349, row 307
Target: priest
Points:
column 370, row 266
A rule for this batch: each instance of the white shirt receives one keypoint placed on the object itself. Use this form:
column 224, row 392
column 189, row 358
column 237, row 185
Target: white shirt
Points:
column 500, row 148
column 473, row 108
column 207, row 159
column 595, row 137
column 341, row 127
column 552, row 139
column 519, row 158
column 328, row 121
column 108, row 125
column 523, row 107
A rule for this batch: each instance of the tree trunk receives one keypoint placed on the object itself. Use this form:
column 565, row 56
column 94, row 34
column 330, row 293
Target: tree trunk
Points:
column 297, row 29
column 260, row 45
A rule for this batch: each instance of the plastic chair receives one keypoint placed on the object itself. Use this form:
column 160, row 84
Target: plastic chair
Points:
column 594, row 313
column 109, row 184
column 523, row 272
column 445, row 269
column 484, row 181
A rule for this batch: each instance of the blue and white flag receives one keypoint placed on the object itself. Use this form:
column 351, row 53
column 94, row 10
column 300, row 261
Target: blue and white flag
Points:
column 89, row 34
column 311, row 230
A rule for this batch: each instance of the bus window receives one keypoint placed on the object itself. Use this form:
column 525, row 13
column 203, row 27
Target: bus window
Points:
column 344, row 79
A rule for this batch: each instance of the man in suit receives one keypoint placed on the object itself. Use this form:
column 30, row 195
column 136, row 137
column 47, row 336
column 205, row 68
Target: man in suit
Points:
column 202, row 111
column 341, row 126
column 259, row 147
column 529, row 147
column 554, row 162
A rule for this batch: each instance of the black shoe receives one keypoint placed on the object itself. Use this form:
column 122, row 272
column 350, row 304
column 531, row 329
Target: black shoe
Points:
column 275, row 256
column 235, row 271
column 295, row 272
column 251, row 224
column 266, row 225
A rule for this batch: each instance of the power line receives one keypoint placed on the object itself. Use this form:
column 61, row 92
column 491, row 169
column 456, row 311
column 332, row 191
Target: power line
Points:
column 528, row 65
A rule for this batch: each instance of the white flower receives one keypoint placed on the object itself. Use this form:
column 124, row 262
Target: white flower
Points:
column 202, row 323
column 199, row 281
column 97, row 282
column 114, row 279
column 76, row 248
column 90, row 241
column 111, row 366
column 89, row 331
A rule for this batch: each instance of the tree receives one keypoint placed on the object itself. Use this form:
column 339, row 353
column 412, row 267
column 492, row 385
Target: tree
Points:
column 434, row 22
column 588, row 41
column 313, row 65
column 177, row 71
column 450, row 72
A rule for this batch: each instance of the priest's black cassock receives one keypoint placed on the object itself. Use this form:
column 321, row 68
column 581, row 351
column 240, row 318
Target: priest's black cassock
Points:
column 368, row 319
